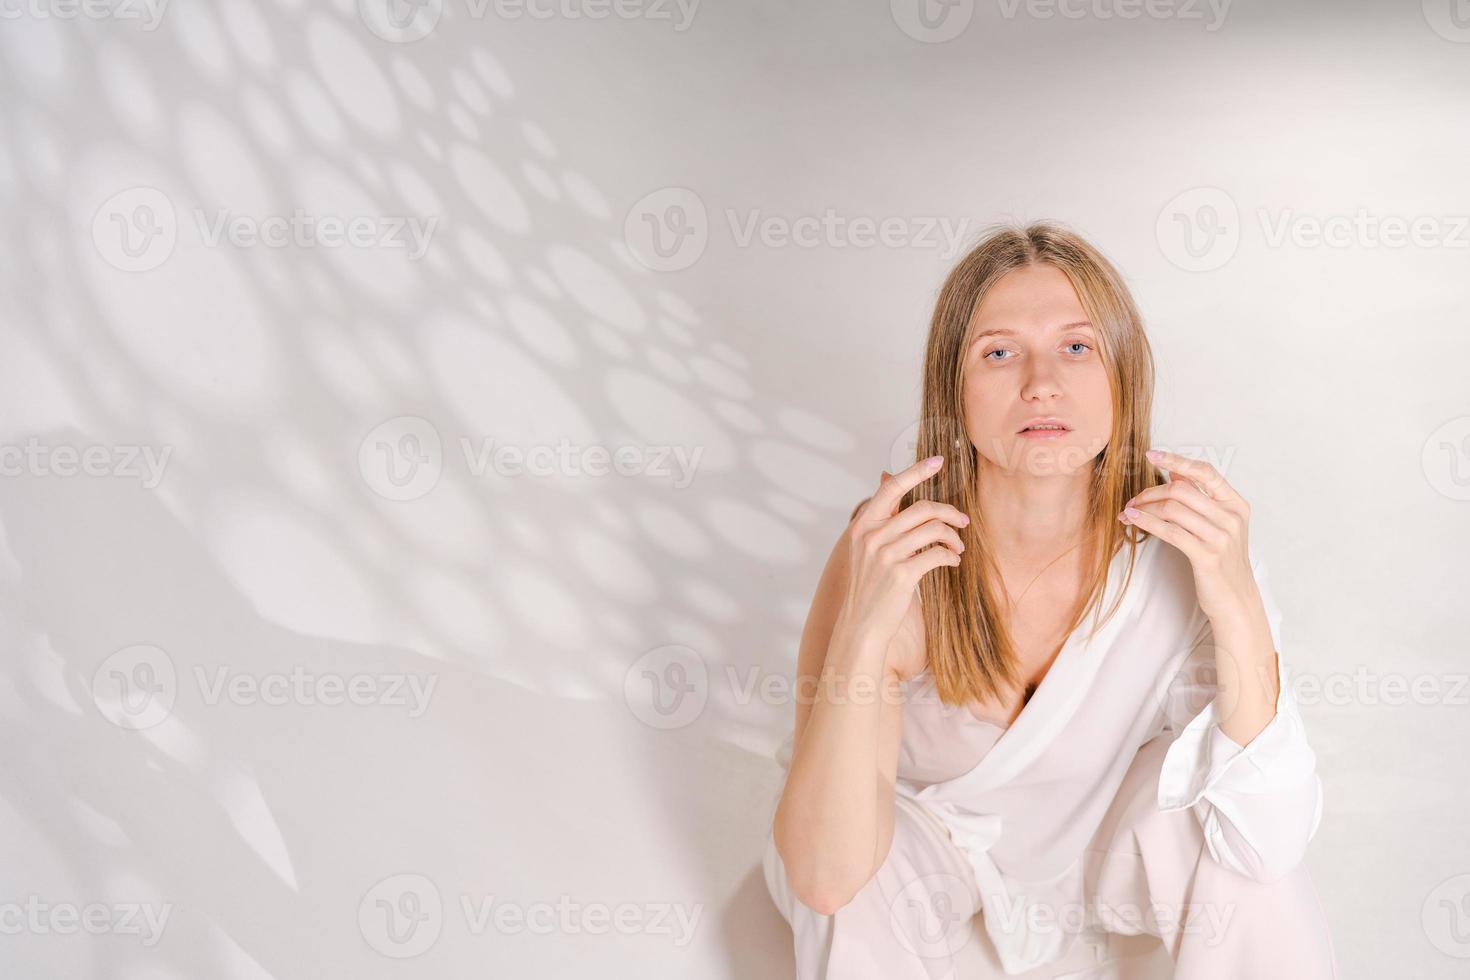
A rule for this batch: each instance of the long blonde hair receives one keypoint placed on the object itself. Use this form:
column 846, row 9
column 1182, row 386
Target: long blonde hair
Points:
column 970, row 650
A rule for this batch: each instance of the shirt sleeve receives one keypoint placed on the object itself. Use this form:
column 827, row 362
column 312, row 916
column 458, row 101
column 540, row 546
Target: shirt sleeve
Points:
column 1259, row 804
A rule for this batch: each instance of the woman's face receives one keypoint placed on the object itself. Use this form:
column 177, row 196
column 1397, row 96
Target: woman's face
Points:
column 1033, row 355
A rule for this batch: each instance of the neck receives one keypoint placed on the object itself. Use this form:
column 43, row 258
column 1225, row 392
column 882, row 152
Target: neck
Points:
column 1032, row 517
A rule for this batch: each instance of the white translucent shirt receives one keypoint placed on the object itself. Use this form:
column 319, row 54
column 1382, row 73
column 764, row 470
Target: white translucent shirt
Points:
column 1023, row 802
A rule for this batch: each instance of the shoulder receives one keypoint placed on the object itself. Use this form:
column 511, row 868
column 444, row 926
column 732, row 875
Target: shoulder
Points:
column 1166, row 604
column 1170, row 575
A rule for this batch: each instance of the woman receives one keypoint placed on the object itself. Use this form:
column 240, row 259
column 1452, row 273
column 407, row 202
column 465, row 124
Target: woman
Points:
column 1045, row 679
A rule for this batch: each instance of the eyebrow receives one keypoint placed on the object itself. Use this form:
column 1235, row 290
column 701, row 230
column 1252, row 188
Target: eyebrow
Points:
column 1006, row 332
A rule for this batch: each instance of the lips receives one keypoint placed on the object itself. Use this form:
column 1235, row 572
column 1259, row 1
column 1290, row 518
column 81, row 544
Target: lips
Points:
column 1047, row 424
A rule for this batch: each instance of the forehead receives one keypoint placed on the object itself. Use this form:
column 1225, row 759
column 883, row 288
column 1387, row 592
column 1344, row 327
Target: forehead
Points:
column 1033, row 299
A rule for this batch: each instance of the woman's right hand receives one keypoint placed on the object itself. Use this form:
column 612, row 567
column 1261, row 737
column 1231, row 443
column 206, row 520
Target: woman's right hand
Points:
column 889, row 551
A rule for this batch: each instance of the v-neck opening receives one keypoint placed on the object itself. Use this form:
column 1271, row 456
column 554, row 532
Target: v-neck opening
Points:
column 1064, row 655
column 1069, row 652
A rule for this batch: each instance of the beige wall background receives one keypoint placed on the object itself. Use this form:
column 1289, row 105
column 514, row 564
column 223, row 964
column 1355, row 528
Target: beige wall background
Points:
column 423, row 426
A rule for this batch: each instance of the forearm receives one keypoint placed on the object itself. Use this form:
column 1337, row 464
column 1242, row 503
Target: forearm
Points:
column 1245, row 658
column 831, row 822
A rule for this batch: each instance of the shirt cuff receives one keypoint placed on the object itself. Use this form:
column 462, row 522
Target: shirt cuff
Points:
column 1259, row 804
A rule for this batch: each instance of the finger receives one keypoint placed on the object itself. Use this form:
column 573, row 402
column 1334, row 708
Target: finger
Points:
column 1178, row 514
column 1209, row 478
column 1188, row 494
column 920, row 511
column 928, row 560
column 886, row 500
column 930, row 532
column 1170, row 533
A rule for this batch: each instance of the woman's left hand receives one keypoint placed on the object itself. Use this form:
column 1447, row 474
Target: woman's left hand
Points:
column 1199, row 513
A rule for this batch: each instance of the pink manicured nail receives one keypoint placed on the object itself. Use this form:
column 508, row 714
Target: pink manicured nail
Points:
column 1155, row 454
column 933, row 462
column 1133, row 513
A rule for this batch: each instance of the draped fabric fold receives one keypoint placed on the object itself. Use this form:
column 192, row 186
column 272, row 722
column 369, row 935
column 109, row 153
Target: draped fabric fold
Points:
column 1026, row 921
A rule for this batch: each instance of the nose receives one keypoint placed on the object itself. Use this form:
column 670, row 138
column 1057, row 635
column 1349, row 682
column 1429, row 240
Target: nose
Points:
column 1040, row 383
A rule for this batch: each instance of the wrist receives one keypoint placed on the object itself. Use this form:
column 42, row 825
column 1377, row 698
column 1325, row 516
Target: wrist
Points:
column 1240, row 623
column 1241, row 609
column 855, row 645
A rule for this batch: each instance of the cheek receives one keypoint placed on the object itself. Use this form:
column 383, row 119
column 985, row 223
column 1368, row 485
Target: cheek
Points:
column 1097, row 395
column 982, row 404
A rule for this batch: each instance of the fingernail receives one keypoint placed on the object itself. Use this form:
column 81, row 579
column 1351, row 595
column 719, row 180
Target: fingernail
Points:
column 1155, row 454
column 1133, row 513
column 933, row 462
column 1123, row 517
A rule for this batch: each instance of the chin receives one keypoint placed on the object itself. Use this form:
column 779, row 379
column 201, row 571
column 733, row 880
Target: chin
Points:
column 1065, row 455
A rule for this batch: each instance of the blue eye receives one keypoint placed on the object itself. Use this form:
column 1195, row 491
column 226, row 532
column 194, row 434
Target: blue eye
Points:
column 998, row 350
column 1078, row 343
